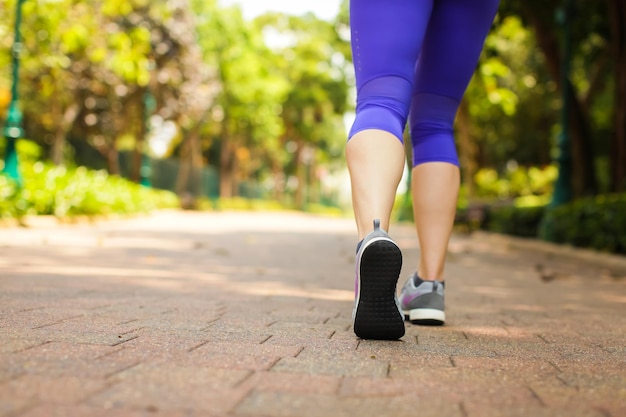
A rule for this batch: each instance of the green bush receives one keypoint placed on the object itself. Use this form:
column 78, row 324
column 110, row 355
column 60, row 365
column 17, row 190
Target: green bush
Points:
column 597, row 223
column 11, row 205
column 517, row 221
column 515, row 182
column 64, row 192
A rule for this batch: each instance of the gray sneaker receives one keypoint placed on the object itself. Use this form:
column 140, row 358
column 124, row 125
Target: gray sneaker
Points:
column 376, row 313
column 422, row 302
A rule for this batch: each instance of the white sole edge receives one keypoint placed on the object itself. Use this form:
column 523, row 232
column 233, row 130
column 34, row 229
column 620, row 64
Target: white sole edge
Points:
column 425, row 314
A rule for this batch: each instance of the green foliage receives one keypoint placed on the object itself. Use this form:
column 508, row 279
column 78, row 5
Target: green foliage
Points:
column 512, row 100
column 256, row 204
column 265, row 99
column 11, row 203
column 597, row 222
column 239, row 203
column 516, row 182
column 85, row 66
column 512, row 220
column 252, row 90
column 66, row 193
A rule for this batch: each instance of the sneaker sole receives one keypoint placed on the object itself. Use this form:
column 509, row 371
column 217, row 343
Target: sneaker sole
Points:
column 426, row 316
column 377, row 315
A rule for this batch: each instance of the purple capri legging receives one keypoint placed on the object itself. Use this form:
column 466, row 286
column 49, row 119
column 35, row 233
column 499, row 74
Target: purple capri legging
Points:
column 416, row 57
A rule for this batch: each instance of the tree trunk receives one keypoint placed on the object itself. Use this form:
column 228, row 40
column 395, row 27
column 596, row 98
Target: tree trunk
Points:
column 190, row 169
column 617, row 13
column 584, row 177
column 467, row 149
column 195, row 159
column 184, row 167
column 58, row 144
column 113, row 160
column 300, row 175
column 66, row 120
column 228, row 165
column 313, row 182
column 279, row 180
column 140, row 138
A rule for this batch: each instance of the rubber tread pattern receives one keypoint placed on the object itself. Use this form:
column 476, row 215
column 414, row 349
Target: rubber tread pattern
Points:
column 377, row 315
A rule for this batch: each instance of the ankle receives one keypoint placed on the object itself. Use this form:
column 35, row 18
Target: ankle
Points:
column 432, row 277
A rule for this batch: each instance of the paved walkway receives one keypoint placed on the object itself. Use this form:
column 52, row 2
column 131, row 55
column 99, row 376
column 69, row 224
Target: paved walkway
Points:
column 242, row 314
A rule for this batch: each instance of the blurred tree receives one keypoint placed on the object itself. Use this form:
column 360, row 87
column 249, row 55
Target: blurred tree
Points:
column 593, row 52
column 264, row 100
column 509, row 90
column 184, row 84
column 93, row 87
column 313, row 59
column 246, row 114
column 617, row 21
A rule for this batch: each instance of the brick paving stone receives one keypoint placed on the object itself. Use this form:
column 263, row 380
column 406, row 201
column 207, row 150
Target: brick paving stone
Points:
column 11, row 405
column 11, row 344
column 524, row 370
column 370, row 386
column 228, row 360
column 300, row 339
column 332, row 364
column 610, row 365
column 521, row 410
column 494, row 388
column 188, row 388
column 287, row 316
column 63, row 359
column 9, row 370
column 294, row 383
column 609, row 399
column 317, row 405
column 53, row 410
column 165, row 343
column 233, row 348
column 404, row 366
column 343, row 334
column 39, row 318
column 249, row 314
column 91, row 330
column 530, row 346
column 331, row 355
column 314, row 331
column 423, row 404
column 224, row 331
column 57, row 389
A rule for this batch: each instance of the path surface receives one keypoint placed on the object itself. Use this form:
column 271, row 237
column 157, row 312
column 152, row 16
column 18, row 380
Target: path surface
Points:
column 248, row 314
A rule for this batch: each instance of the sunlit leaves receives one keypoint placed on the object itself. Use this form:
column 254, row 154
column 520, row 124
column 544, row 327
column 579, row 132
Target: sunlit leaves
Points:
column 114, row 8
column 252, row 90
column 130, row 58
column 491, row 70
column 510, row 89
column 74, row 38
column 84, row 65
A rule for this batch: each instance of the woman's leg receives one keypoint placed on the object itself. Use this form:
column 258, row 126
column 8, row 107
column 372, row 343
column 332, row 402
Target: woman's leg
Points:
column 435, row 188
column 451, row 48
column 376, row 161
column 386, row 40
